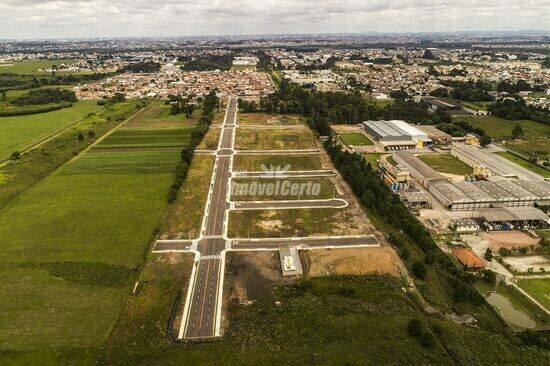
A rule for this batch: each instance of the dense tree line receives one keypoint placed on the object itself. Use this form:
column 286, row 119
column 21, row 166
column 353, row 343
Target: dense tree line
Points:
column 209, row 105
column 180, row 104
column 45, row 96
column 207, row 63
column 246, row 106
column 470, row 91
column 141, row 67
column 517, row 109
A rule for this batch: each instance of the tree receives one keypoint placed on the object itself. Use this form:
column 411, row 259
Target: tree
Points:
column 414, row 327
column 488, row 254
column 489, row 276
column 517, row 132
column 484, row 140
column 91, row 134
column 16, row 155
column 427, row 340
column 80, row 137
column 419, row 270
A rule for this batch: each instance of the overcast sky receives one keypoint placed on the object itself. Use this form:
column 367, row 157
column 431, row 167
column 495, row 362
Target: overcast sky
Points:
column 120, row 18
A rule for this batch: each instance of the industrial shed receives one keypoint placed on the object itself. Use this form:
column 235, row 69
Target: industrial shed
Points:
column 507, row 218
column 396, row 135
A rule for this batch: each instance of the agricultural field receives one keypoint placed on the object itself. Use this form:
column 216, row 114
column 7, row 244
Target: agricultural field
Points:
column 538, row 288
column 502, row 128
column 526, row 164
column 243, row 162
column 20, row 132
column 252, row 119
column 355, row 139
column 446, row 163
column 31, row 167
column 75, row 241
column 33, row 67
column 274, row 139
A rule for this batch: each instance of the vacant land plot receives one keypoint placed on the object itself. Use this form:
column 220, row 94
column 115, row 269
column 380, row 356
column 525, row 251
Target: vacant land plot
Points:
column 498, row 127
column 34, row 67
column 268, row 119
column 255, row 189
column 508, row 239
column 211, row 139
column 446, row 163
column 535, row 263
column 243, row 162
column 184, row 217
column 278, row 139
column 355, row 139
column 352, row 261
column 20, row 132
column 295, row 222
column 526, row 164
column 539, row 146
column 539, row 288
column 71, row 244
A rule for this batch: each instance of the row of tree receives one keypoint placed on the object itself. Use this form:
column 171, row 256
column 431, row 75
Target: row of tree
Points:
column 45, row 96
column 517, row 109
column 209, row 105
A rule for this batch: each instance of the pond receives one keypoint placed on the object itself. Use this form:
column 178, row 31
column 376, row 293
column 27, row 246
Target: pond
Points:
column 509, row 313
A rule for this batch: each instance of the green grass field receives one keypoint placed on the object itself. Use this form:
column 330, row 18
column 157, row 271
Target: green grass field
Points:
column 372, row 158
column 446, row 163
column 252, row 119
column 20, row 132
column 498, row 127
column 539, row 146
column 293, row 162
column 33, row 67
column 355, row 139
column 276, row 139
column 526, row 164
column 70, row 245
column 134, row 138
column 539, row 289
column 157, row 116
column 327, row 189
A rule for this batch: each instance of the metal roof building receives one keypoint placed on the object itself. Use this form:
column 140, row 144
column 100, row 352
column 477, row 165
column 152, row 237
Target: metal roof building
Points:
column 396, row 135
column 419, row 170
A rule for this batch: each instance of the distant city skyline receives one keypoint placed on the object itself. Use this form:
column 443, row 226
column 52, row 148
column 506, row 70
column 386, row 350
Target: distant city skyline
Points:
column 24, row 19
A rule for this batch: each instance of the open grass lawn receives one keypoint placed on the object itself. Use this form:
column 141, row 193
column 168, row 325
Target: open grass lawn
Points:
column 268, row 119
column 538, row 288
column 288, row 223
column 355, row 139
column 498, row 127
column 71, row 244
column 372, row 158
column 277, row 139
column 134, row 138
column 446, row 163
column 476, row 106
column 33, row 67
column 16, row 176
column 319, row 321
column 183, row 218
column 269, row 162
column 20, row 132
column 319, row 188
column 526, row 164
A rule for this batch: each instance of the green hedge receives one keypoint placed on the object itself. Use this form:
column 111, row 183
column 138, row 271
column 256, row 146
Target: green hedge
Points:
column 34, row 109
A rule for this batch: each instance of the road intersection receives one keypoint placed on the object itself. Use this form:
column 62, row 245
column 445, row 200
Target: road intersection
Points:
column 203, row 303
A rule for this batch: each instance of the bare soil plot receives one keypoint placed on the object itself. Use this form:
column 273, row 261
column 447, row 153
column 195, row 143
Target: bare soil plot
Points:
column 345, row 128
column 522, row 264
column 268, row 119
column 509, row 239
column 277, row 139
column 218, row 118
column 267, row 189
column 352, row 261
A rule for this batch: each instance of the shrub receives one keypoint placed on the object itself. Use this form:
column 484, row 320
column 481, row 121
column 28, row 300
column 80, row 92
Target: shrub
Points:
column 414, row 328
column 419, row 270
column 16, row 155
column 427, row 340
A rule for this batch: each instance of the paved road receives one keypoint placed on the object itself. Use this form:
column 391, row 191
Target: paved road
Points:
column 202, row 309
column 305, row 243
column 279, row 205
column 287, row 174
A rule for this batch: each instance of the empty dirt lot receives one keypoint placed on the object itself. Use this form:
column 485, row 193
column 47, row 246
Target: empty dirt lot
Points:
column 351, row 261
column 508, row 239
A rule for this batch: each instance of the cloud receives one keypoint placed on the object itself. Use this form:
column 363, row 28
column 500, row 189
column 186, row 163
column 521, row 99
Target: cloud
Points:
column 101, row 18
